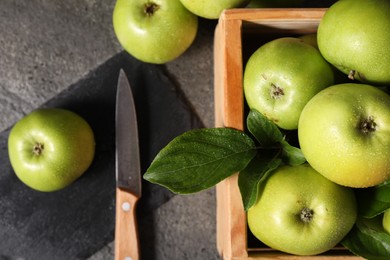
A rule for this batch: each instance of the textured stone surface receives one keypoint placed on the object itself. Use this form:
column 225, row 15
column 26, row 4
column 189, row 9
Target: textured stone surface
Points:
column 45, row 46
column 193, row 72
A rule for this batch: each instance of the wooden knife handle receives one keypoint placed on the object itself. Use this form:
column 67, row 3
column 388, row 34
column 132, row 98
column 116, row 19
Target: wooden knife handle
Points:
column 126, row 231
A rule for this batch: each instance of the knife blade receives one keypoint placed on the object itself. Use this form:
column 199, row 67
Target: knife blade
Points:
column 128, row 172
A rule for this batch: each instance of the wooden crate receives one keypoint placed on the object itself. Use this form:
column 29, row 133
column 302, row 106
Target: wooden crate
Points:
column 238, row 34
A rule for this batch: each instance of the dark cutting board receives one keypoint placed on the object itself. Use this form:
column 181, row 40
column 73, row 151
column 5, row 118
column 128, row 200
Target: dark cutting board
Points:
column 77, row 221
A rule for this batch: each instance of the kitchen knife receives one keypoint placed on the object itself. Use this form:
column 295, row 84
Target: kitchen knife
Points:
column 128, row 173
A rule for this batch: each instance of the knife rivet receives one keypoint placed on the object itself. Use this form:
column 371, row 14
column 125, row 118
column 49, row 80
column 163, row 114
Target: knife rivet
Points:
column 128, row 258
column 126, row 207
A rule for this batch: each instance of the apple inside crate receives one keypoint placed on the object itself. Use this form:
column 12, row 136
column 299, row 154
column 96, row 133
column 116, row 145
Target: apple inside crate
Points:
column 238, row 34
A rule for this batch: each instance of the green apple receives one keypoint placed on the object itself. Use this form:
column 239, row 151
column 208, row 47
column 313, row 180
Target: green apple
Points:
column 344, row 133
column 212, row 9
column 281, row 76
column 155, row 31
column 386, row 221
column 274, row 3
column 339, row 77
column 354, row 35
column 50, row 148
column 300, row 212
column 310, row 39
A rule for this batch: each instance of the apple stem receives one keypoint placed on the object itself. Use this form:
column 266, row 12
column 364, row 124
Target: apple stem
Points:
column 351, row 75
column 151, row 8
column 37, row 149
column 368, row 125
column 306, row 215
column 276, row 92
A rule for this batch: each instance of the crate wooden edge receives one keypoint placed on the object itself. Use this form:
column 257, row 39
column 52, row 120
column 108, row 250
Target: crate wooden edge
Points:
column 229, row 112
column 272, row 14
column 228, row 246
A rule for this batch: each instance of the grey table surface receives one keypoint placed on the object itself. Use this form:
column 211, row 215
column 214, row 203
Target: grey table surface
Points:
column 48, row 45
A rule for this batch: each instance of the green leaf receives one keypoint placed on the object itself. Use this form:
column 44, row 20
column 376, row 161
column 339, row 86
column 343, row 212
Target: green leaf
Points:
column 199, row 159
column 368, row 239
column 373, row 201
column 292, row 155
column 270, row 136
column 256, row 171
column 264, row 130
